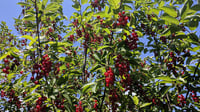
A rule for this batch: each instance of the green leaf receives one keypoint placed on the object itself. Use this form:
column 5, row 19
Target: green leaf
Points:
column 44, row 2
column 114, row 3
column 196, row 7
column 10, row 76
column 165, row 78
column 84, row 2
column 95, row 68
column 28, row 37
column 68, row 98
column 140, row 34
column 162, row 3
column 88, row 87
column 52, row 7
column 23, row 4
column 127, row 7
column 103, row 47
column 193, row 37
column 96, row 57
column 170, row 20
column 169, row 10
column 4, row 55
column 164, row 90
column 135, row 100
column 154, row 11
column 196, row 48
column 29, row 17
column 185, row 9
column 33, row 88
column 145, row 104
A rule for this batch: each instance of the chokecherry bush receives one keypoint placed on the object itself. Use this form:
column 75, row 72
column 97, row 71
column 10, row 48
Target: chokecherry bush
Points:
column 109, row 56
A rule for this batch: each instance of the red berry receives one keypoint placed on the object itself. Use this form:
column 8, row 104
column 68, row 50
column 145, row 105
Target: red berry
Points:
column 120, row 14
column 126, row 18
column 40, row 98
column 62, row 106
column 21, row 72
column 36, row 82
column 32, row 78
column 38, row 106
column 123, row 12
column 5, row 60
column 4, row 70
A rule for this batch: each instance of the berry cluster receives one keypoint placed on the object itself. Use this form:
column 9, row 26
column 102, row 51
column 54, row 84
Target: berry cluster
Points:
column 39, row 104
column 57, row 69
column 96, row 3
column 194, row 96
column 71, row 38
column 42, row 69
column 122, row 65
column 7, row 62
column 79, row 33
column 123, row 19
column 24, row 42
column 3, row 93
column 110, row 77
column 155, row 101
column 123, row 68
column 171, row 64
column 131, row 40
column 181, row 101
column 59, row 38
column 46, row 65
column 13, row 99
column 95, row 105
column 59, row 103
column 113, row 97
column 163, row 39
column 79, row 108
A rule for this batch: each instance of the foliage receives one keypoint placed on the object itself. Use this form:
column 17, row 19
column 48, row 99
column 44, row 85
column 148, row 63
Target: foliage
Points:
column 114, row 55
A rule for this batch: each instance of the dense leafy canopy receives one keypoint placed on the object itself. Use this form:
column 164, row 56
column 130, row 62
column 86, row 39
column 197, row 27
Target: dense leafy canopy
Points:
column 114, row 55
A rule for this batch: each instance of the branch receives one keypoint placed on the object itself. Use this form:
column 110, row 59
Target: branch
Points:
column 37, row 31
column 104, row 93
column 161, row 62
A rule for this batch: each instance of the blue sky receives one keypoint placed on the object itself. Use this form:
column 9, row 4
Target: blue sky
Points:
column 9, row 10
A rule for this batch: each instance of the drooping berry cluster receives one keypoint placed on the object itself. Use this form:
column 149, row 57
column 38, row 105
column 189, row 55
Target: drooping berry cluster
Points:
column 7, row 64
column 113, row 97
column 42, row 69
column 122, row 65
column 13, row 99
column 110, row 77
column 123, row 68
column 46, row 65
column 171, row 64
column 181, row 101
column 96, row 3
column 131, row 40
column 194, row 96
column 123, row 19
column 59, row 103
column 79, row 108
column 40, row 106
